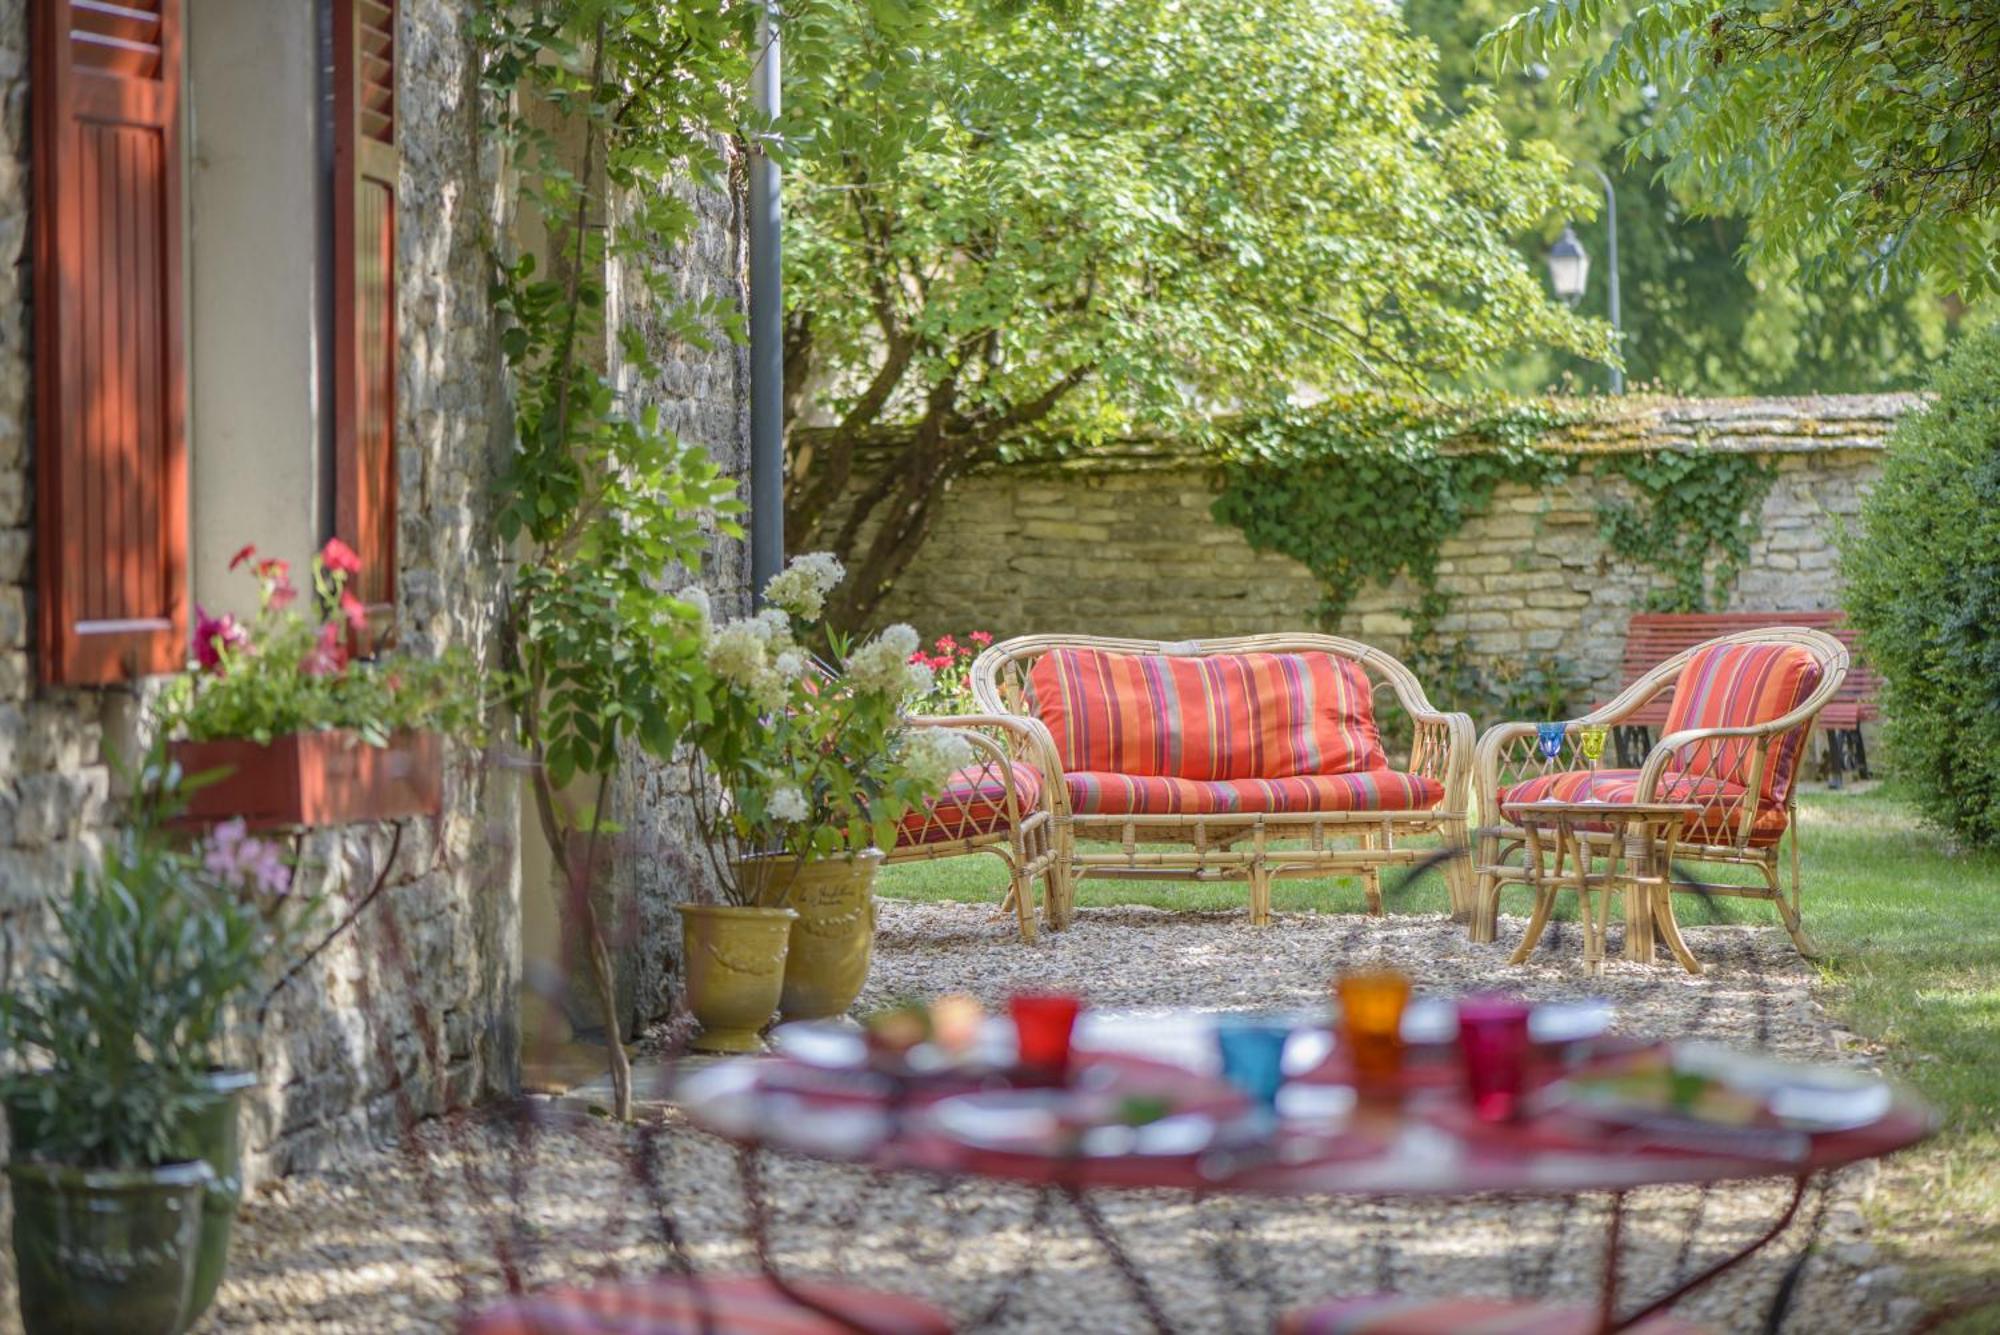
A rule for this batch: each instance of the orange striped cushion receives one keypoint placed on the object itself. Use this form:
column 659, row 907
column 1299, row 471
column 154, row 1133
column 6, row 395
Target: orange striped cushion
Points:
column 1740, row 686
column 1387, row 1314
column 1158, row 795
column 1225, row 716
column 723, row 1304
column 973, row 801
column 1715, row 823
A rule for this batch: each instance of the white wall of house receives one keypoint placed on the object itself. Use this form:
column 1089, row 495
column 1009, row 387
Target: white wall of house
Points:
column 256, row 289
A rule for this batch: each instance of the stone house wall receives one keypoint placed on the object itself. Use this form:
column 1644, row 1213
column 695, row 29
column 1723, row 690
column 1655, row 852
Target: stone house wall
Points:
column 415, row 1010
column 1123, row 543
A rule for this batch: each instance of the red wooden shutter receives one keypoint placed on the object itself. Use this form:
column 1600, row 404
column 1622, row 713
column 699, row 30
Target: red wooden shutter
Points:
column 364, row 275
column 110, row 443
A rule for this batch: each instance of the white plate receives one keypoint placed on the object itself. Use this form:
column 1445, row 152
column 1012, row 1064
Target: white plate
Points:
column 1569, row 1021
column 1034, row 1121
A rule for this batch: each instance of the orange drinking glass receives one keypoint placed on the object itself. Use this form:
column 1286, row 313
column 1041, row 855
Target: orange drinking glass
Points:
column 1371, row 1019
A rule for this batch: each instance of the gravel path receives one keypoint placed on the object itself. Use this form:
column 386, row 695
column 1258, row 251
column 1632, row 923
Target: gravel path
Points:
column 402, row 1240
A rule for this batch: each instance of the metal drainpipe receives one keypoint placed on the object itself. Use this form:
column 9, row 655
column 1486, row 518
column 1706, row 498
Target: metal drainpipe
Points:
column 767, row 350
column 1611, row 261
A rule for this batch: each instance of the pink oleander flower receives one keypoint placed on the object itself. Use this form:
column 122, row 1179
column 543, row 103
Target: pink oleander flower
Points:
column 215, row 636
column 352, row 608
column 328, row 657
column 337, row 555
column 234, row 858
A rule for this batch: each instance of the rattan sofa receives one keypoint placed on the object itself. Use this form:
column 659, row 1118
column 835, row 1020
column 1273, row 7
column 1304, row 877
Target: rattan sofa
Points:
column 1743, row 706
column 1235, row 759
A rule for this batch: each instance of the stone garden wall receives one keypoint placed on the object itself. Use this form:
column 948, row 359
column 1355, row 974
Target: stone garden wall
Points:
column 1123, row 543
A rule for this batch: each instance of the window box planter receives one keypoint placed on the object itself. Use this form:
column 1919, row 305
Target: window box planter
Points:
column 314, row 778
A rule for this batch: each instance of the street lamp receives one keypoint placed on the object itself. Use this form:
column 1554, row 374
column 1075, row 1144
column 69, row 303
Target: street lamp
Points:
column 1569, row 268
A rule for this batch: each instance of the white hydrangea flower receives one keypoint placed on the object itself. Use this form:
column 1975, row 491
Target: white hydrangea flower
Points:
column 788, row 804
column 790, row 664
column 774, row 624
column 881, row 664
column 918, row 680
column 736, row 652
column 931, row 755
column 801, row 587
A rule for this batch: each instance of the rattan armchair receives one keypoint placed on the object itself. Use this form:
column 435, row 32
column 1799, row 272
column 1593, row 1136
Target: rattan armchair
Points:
column 1252, row 846
column 1741, row 778
column 1000, row 803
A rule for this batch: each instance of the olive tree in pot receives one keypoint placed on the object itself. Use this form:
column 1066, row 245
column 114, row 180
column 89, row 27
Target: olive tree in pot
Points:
column 123, row 1127
column 808, row 771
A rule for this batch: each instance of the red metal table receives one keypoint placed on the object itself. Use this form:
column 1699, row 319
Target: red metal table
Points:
column 1419, row 1140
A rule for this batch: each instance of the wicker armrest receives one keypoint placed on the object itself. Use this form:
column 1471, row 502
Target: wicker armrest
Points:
column 1019, row 738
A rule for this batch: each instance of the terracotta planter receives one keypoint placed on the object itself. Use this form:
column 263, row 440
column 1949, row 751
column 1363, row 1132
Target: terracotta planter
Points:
column 735, row 971
column 833, row 940
column 314, row 778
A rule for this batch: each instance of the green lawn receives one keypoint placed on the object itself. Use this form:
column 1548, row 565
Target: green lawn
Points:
column 1911, row 935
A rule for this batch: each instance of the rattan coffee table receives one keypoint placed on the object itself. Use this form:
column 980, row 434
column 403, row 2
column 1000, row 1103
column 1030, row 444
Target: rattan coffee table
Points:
column 1635, row 841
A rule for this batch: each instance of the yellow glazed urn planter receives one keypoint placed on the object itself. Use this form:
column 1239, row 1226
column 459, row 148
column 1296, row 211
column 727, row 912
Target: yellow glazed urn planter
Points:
column 735, row 971
column 833, row 939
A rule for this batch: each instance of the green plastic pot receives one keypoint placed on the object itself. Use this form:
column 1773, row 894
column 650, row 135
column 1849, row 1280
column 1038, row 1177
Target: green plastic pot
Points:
column 107, row 1249
column 213, row 1136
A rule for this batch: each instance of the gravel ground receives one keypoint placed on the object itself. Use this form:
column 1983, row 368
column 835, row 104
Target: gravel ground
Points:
column 409, row 1238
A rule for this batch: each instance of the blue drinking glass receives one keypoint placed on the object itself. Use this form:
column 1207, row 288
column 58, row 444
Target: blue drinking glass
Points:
column 1253, row 1056
column 1549, row 737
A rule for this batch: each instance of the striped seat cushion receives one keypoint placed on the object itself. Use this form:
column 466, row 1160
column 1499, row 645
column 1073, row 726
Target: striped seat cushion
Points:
column 1720, row 801
column 1741, row 686
column 723, row 1304
column 1219, row 717
column 1097, row 794
column 972, row 802
column 1392, row 1315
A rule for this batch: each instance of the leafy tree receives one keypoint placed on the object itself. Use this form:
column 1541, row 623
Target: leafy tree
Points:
column 1850, row 133
column 1004, row 224
column 1696, row 320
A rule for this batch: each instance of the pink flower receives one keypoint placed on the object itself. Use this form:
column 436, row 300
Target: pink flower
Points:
column 351, row 608
column 215, row 636
column 981, row 638
column 276, row 576
column 946, row 644
column 328, row 657
column 234, row 858
column 280, row 596
column 243, row 554
column 337, row 555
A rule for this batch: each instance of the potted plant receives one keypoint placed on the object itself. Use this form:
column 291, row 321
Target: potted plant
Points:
column 298, row 729
column 122, row 1124
column 812, row 770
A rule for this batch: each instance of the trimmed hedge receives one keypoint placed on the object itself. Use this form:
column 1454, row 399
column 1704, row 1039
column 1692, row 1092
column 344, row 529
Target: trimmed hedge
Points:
column 1923, row 587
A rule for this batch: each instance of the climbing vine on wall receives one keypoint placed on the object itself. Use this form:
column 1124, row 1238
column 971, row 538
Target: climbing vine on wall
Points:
column 1693, row 519
column 1366, row 487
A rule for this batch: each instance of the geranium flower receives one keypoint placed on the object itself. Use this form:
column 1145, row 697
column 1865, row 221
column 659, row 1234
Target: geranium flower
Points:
column 243, row 554
column 328, row 657
column 215, row 635
column 981, row 638
column 352, row 608
column 337, row 555
column 276, row 576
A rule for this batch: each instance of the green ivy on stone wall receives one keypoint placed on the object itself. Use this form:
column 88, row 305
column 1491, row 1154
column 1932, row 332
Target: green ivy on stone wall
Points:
column 1368, row 487
column 1693, row 521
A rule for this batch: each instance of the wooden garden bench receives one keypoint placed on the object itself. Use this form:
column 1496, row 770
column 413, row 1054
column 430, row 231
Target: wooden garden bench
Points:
column 1239, row 759
column 1653, row 637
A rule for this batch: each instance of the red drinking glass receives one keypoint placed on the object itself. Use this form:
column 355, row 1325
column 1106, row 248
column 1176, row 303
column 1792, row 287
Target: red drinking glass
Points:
column 1043, row 1025
column 1493, row 1039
